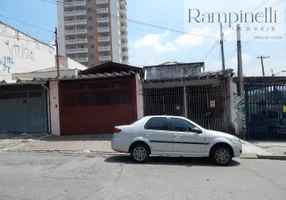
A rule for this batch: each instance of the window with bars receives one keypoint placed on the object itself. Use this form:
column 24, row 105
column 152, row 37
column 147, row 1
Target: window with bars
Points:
column 98, row 98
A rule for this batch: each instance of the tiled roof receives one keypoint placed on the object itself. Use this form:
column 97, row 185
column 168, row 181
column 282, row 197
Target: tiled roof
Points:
column 79, row 77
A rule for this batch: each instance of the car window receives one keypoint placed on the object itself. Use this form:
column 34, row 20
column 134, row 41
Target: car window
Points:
column 182, row 125
column 157, row 123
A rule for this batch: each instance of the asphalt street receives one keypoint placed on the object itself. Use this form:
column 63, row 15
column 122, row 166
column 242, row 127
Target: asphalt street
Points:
column 76, row 177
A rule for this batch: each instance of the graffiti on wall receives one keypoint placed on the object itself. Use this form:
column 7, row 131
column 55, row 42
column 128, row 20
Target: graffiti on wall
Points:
column 20, row 51
column 239, row 106
column 6, row 63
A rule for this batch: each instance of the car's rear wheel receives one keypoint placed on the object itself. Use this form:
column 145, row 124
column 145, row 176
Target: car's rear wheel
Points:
column 221, row 155
column 140, row 153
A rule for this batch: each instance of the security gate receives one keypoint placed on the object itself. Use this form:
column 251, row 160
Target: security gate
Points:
column 207, row 105
column 265, row 107
column 167, row 101
column 23, row 109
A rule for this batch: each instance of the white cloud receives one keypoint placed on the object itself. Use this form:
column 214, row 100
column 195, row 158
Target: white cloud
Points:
column 154, row 43
column 195, row 38
column 153, row 46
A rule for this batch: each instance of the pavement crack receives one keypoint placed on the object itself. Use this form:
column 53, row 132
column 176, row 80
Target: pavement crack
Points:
column 267, row 179
column 120, row 172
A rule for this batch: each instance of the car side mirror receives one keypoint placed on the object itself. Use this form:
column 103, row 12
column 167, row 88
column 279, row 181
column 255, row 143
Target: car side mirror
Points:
column 197, row 130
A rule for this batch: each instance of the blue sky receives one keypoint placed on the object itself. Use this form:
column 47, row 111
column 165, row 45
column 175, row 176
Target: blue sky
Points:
column 149, row 45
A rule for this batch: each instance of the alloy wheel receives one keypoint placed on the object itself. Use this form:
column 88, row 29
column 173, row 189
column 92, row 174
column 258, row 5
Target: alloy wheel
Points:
column 139, row 153
column 222, row 156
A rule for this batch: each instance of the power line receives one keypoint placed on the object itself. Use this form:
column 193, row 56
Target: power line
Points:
column 26, row 23
column 134, row 21
column 18, row 38
column 247, row 42
column 211, row 50
column 277, row 2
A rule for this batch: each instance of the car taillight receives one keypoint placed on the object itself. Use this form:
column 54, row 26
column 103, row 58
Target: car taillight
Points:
column 116, row 130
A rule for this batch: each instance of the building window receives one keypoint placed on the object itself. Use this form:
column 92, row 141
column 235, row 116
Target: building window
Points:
column 89, row 1
column 91, row 56
column 89, row 9
column 89, row 19
column 90, row 28
column 90, row 38
column 91, row 47
column 91, row 65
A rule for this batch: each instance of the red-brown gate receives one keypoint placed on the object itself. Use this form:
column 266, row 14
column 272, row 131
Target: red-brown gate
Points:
column 96, row 106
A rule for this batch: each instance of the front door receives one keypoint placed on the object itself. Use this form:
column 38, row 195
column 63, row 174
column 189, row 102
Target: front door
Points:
column 157, row 131
column 186, row 140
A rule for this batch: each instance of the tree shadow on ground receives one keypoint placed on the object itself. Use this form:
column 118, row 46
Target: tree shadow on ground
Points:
column 188, row 162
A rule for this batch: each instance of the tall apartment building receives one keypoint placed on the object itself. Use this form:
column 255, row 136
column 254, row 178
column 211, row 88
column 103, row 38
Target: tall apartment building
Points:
column 93, row 31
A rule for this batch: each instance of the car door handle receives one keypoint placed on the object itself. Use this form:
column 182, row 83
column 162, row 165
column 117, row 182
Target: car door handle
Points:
column 177, row 136
column 147, row 134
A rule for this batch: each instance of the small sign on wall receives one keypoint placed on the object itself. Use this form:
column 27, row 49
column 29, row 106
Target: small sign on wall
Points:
column 284, row 108
column 212, row 103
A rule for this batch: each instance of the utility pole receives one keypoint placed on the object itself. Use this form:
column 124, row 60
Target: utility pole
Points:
column 262, row 64
column 57, row 53
column 222, row 47
column 239, row 64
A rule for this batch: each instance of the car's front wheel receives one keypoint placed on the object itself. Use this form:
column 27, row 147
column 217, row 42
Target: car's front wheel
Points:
column 221, row 155
column 140, row 153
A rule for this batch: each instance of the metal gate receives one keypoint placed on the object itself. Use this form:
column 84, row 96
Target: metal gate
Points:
column 23, row 109
column 96, row 106
column 265, row 107
column 207, row 105
column 165, row 101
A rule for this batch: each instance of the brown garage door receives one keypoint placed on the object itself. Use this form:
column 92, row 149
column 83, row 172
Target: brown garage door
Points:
column 95, row 107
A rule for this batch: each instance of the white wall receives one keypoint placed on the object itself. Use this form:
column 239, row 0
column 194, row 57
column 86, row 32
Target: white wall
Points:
column 61, row 28
column 115, row 31
column 139, row 97
column 75, row 65
column 49, row 74
column 21, row 53
column 54, row 108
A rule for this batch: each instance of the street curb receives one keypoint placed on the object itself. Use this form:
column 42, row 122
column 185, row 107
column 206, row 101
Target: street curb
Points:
column 24, row 144
column 249, row 157
column 110, row 153
column 71, row 152
column 272, row 157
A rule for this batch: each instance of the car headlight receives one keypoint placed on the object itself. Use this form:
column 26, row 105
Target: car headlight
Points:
column 236, row 140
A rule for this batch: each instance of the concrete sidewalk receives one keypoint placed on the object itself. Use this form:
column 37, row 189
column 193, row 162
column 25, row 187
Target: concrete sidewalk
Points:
column 276, row 149
column 100, row 144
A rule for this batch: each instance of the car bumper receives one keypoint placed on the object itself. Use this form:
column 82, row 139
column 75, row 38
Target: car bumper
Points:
column 237, row 150
column 119, row 145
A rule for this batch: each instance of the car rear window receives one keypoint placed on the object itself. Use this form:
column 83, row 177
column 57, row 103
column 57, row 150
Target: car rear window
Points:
column 157, row 123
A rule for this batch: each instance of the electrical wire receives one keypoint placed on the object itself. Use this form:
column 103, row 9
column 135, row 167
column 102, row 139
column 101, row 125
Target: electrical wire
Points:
column 18, row 38
column 26, row 23
column 211, row 50
column 249, row 41
column 277, row 2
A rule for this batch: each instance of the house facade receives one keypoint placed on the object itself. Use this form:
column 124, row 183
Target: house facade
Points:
column 96, row 100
